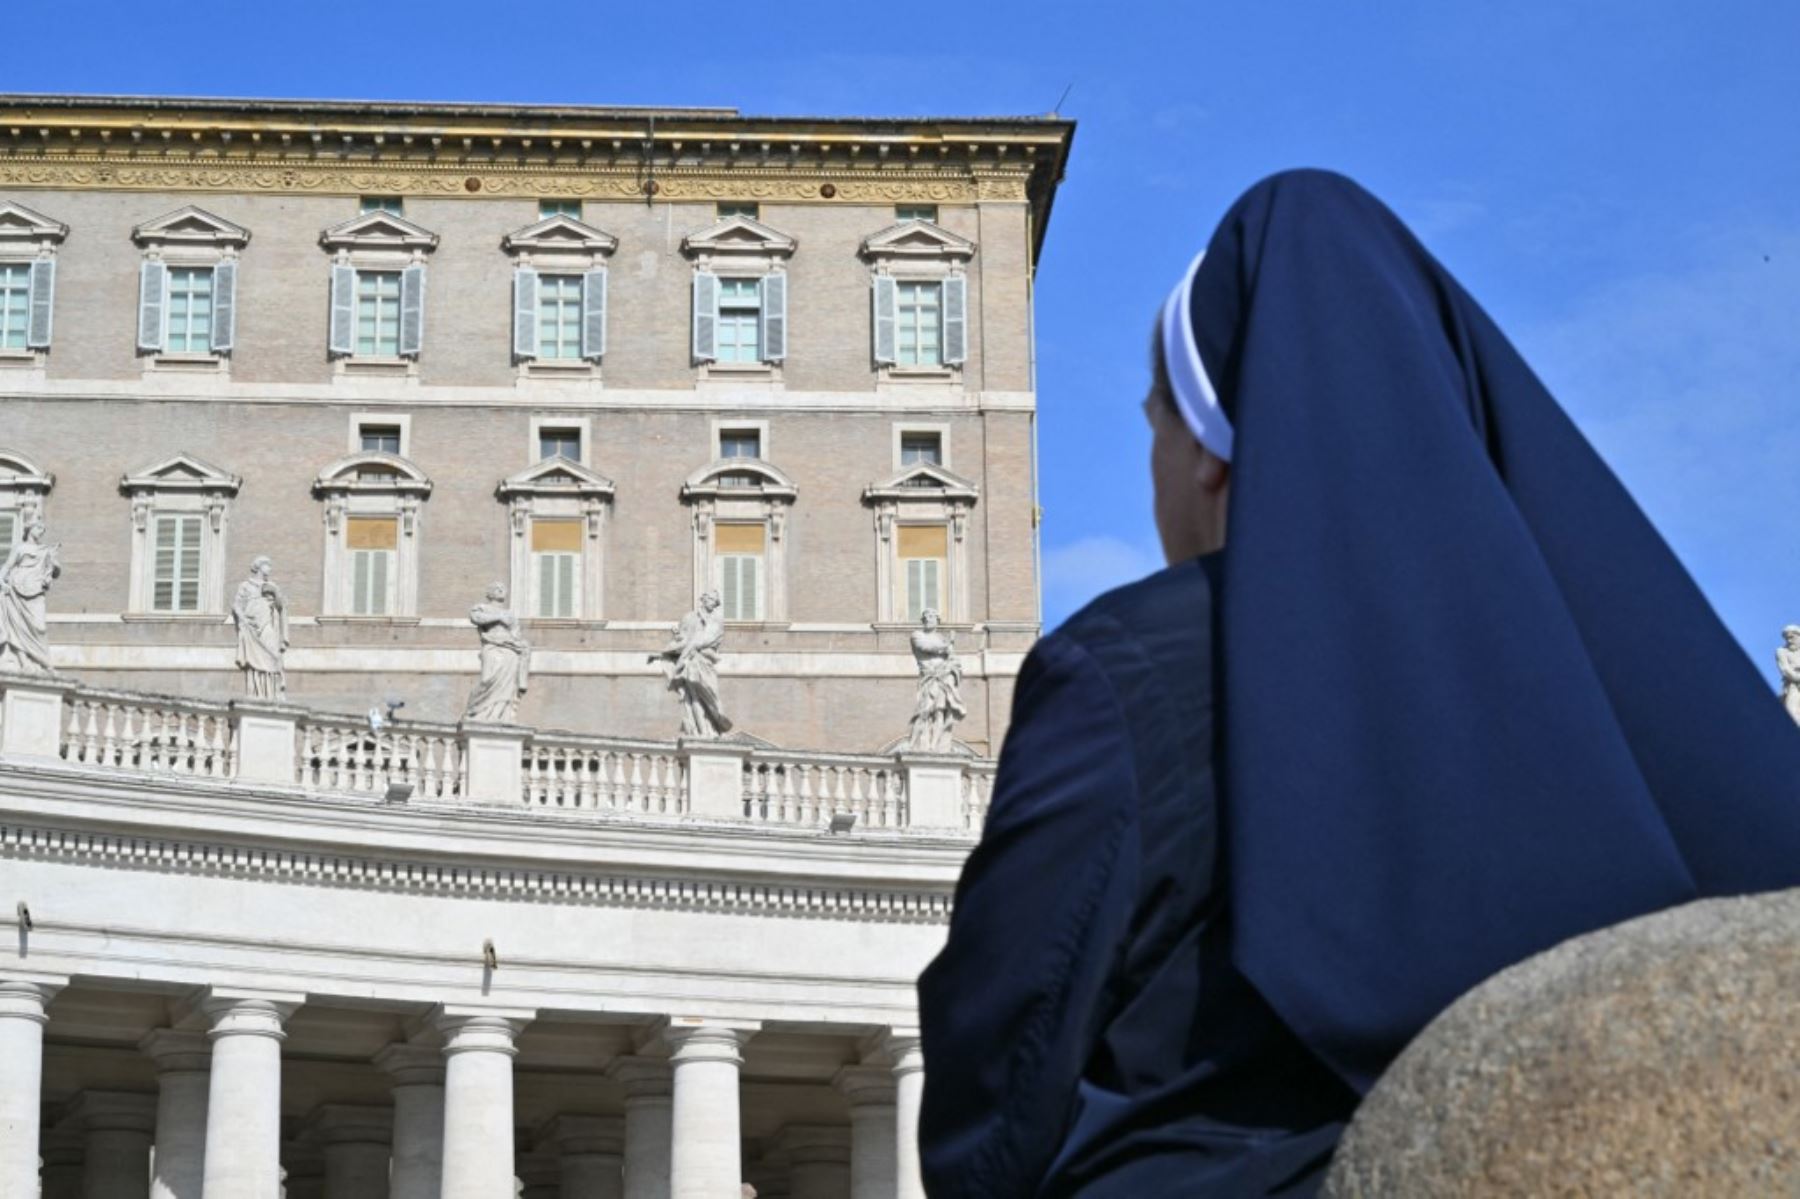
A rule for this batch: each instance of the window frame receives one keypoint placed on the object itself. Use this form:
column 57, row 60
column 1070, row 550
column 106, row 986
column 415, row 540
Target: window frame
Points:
column 911, row 252
column 24, row 489
column 559, row 245
column 740, row 248
column 713, row 501
column 32, row 240
column 558, row 489
column 395, row 420
column 180, row 486
column 915, row 495
column 377, row 242
column 188, row 239
column 374, row 485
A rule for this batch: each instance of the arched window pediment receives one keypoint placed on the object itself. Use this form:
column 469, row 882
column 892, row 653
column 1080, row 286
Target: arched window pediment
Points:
column 373, row 471
column 737, row 476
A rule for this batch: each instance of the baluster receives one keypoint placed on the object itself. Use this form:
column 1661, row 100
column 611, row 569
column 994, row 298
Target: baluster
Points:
column 635, row 801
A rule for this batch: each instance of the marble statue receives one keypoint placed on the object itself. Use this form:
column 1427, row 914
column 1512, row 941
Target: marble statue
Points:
column 505, row 661
column 939, row 704
column 1787, row 659
column 24, row 582
column 690, row 661
column 259, row 610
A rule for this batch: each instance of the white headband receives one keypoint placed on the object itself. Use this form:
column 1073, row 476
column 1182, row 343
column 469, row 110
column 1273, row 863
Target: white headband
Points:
column 1195, row 398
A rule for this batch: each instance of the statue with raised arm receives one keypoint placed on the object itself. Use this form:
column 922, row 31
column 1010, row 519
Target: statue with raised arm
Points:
column 259, row 610
column 691, row 663
column 24, row 582
column 939, row 704
column 505, row 661
column 1787, row 660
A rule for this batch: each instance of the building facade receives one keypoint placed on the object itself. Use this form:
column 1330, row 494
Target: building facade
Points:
column 612, row 360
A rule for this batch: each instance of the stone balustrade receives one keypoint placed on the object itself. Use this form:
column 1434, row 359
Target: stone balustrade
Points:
column 287, row 745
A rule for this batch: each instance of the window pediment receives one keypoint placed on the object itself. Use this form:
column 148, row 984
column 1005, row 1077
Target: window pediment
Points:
column 729, row 477
column 379, row 231
column 923, row 481
column 19, row 473
column 557, row 477
column 20, row 225
column 918, row 239
column 559, row 234
column 182, row 473
column 373, row 472
column 738, row 235
column 190, row 226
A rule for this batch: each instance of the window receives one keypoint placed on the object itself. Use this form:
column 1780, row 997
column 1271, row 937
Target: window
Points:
column 731, row 208
column 176, row 587
column 924, row 553
column 916, row 212
column 378, row 313
column 556, row 568
column 15, row 304
column 917, row 329
column 390, row 204
column 379, row 439
column 559, row 316
column 921, row 448
column 738, row 559
column 372, row 542
column 190, row 310
column 740, row 320
column 549, row 208
column 9, row 530
column 740, row 443
column 559, row 443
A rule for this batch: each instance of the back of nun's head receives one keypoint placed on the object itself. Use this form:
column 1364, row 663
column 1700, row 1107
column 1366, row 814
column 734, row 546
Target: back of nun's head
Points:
column 1471, row 704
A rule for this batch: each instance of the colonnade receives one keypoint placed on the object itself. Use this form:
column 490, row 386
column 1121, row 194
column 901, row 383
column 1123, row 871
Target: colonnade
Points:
column 449, row 1133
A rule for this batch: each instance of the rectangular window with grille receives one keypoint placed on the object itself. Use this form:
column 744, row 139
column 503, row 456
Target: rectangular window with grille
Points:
column 916, row 448
column 559, row 316
column 390, row 204
column 15, row 304
column 556, row 568
column 548, row 208
column 924, row 558
column 740, row 443
column 176, row 582
column 190, row 310
column 740, row 320
column 373, row 544
column 739, row 557
column 919, row 326
column 378, row 313
column 559, row 443
column 916, row 212
column 379, row 439
column 731, row 208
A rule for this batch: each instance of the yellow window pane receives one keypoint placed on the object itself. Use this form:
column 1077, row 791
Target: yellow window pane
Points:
column 373, row 533
column 552, row 536
column 924, row 541
column 739, row 539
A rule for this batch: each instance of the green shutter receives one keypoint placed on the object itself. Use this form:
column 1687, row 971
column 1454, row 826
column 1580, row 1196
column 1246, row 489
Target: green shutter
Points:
column 565, row 590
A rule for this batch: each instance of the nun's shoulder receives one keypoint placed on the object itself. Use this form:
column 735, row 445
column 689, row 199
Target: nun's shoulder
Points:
column 1163, row 619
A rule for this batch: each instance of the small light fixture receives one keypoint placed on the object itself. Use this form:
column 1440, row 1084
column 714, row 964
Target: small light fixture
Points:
column 25, row 924
column 841, row 822
column 489, row 958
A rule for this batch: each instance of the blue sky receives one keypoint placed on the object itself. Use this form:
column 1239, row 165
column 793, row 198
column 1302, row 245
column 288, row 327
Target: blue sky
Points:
column 1618, row 182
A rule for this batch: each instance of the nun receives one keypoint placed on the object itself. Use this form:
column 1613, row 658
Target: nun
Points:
column 1420, row 694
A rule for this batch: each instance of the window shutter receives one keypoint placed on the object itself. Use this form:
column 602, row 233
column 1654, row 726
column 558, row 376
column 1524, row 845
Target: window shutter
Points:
column 412, row 311
column 956, row 320
column 224, row 322
column 546, row 585
column 525, row 313
column 379, row 582
column 152, row 279
column 706, row 316
column 885, row 304
column 187, row 595
column 749, row 598
column 565, row 585
column 728, row 587
column 774, row 316
column 162, row 597
column 593, row 314
column 43, row 293
column 8, row 522
column 343, row 310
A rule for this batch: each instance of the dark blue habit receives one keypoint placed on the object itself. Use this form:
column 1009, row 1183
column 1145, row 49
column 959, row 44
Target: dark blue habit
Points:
column 1444, row 700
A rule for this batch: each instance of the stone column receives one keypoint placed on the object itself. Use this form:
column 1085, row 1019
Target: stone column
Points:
column 478, row 1101
column 302, row 1171
column 353, row 1139
column 22, row 1020
column 183, row 1075
column 909, row 1092
column 870, row 1090
column 115, row 1141
column 62, row 1164
column 540, row 1176
column 243, row 1102
column 418, row 1090
column 647, row 1082
column 706, row 1157
column 818, row 1158
column 591, row 1150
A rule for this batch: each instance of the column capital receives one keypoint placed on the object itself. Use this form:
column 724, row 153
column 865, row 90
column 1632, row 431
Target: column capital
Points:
column 349, row 1124
column 174, row 1050
column 25, row 996
column 582, row 1134
column 109, row 1111
column 906, row 1050
column 411, row 1065
column 814, row 1144
column 231, row 1013
column 865, row 1086
column 491, row 1030
column 642, row 1077
column 695, row 1039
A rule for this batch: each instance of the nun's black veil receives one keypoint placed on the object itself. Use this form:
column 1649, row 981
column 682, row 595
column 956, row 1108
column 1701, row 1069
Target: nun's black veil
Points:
column 1471, row 703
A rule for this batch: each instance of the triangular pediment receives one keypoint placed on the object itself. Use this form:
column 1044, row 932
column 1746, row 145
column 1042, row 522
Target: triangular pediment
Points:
column 739, row 235
column 183, row 472
column 925, row 479
column 917, row 239
column 378, row 230
column 191, row 225
column 557, row 475
column 18, row 222
column 560, row 232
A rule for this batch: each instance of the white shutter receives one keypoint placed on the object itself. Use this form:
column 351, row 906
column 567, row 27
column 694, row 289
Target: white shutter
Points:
column 43, row 296
column 593, row 314
column 152, row 304
column 706, row 316
column 175, row 570
column 885, row 304
column 359, row 582
column 8, row 530
column 915, row 588
column 162, row 591
column 412, row 311
column 749, row 588
column 525, row 313
column 187, row 592
column 774, row 317
column 546, row 584
column 343, row 310
column 224, row 320
column 728, row 588
column 956, row 319
column 567, row 596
